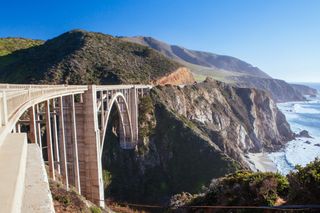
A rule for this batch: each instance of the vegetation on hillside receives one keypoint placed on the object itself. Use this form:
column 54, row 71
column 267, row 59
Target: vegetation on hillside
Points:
column 80, row 57
column 9, row 45
column 305, row 184
column 258, row 189
column 70, row 201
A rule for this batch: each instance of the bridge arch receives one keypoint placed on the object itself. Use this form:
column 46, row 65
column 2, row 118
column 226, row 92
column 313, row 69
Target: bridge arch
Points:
column 126, row 134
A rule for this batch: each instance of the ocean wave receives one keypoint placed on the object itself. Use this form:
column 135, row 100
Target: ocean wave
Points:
column 301, row 109
column 301, row 116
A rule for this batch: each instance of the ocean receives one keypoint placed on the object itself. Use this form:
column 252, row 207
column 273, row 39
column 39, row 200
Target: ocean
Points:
column 301, row 116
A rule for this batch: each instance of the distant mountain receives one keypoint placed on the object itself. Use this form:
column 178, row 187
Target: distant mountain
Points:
column 9, row 45
column 203, row 59
column 81, row 57
column 226, row 69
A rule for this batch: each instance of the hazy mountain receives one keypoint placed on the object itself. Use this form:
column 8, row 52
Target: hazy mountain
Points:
column 203, row 59
column 226, row 69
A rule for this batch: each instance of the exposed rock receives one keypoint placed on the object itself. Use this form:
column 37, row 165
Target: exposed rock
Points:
column 181, row 76
column 303, row 134
column 307, row 142
column 317, row 144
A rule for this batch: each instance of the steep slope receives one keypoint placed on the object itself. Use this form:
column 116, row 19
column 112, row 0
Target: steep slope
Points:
column 226, row 69
column 188, row 136
column 9, row 45
column 80, row 57
column 279, row 89
column 306, row 90
column 204, row 59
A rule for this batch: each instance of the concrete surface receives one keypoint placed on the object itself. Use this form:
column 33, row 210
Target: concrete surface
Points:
column 37, row 196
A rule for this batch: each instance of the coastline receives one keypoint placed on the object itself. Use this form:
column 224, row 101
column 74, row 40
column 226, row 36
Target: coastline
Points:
column 301, row 115
column 261, row 162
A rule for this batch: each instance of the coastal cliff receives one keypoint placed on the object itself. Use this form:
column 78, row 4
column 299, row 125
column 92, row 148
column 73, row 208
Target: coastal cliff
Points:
column 189, row 135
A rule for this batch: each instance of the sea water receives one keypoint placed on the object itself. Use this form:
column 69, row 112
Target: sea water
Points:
column 301, row 116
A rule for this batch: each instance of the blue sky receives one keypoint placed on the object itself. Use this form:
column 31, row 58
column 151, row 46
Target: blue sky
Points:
column 282, row 37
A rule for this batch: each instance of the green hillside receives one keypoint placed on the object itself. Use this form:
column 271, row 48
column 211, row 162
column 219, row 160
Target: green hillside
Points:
column 9, row 45
column 81, row 57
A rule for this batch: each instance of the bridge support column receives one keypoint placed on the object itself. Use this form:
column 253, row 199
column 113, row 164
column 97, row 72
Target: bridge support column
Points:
column 49, row 140
column 38, row 122
column 133, row 108
column 72, row 142
column 89, row 148
column 62, row 145
column 55, row 137
column 33, row 131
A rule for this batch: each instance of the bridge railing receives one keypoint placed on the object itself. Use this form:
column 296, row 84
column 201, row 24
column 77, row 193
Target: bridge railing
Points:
column 13, row 96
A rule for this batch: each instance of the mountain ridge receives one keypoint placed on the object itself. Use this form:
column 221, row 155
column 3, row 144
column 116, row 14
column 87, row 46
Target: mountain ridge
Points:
column 227, row 69
column 81, row 57
column 202, row 58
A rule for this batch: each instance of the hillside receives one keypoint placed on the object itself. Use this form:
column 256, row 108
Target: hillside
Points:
column 80, row 57
column 202, row 59
column 226, row 69
column 9, row 45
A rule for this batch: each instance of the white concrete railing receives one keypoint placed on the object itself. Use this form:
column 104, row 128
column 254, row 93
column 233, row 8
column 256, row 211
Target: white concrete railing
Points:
column 17, row 98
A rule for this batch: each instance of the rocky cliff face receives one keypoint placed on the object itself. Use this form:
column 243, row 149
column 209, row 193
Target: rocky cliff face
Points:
column 236, row 119
column 191, row 134
column 181, row 76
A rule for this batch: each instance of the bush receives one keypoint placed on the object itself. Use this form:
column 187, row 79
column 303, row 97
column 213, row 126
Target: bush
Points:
column 106, row 176
column 245, row 188
column 305, row 184
column 95, row 209
column 65, row 200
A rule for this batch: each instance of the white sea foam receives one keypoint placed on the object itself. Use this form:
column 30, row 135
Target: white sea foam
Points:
column 301, row 116
column 304, row 109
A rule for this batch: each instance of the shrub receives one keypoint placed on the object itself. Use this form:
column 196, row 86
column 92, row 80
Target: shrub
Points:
column 305, row 184
column 95, row 209
column 106, row 176
column 65, row 200
column 245, row 188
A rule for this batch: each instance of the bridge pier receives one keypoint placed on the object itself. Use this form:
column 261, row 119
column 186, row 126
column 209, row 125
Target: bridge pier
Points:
column 89, row 148
column 33, row 137
column 49, row 141
column 62, row 145
column 71, row 142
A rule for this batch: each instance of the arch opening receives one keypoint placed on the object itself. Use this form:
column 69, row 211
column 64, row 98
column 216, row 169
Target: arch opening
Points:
column 118, row 104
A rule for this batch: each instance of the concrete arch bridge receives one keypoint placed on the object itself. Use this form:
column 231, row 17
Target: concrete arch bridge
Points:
column 68, row 124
